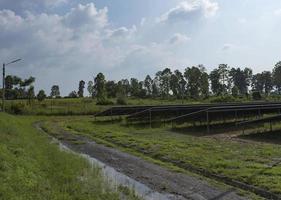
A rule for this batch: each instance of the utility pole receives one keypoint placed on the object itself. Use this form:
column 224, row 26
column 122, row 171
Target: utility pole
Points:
column 3, row 89
column 3, row 84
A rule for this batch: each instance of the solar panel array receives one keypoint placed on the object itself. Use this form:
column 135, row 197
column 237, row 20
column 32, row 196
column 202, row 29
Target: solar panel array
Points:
column 205, row 113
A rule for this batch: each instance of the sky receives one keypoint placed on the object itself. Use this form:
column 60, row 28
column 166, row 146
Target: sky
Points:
column 64, row 41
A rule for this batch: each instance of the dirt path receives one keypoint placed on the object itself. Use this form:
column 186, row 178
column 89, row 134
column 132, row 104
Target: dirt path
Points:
column 155, row 177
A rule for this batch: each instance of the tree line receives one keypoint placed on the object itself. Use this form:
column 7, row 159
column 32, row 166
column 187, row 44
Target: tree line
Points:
column 194, row 83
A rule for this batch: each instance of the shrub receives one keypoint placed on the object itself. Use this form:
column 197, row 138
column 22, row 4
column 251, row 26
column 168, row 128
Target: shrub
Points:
column 223, row 99
column 104, row 102
column 121, row 99
column 256, row 95
column 18, row 108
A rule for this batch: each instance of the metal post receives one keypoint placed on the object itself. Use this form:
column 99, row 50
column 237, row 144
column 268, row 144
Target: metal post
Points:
column 270, row 123
column 208, row 124
column 3, row 89
column 150, row 118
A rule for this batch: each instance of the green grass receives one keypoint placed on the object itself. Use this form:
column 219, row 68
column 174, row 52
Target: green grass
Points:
column 33, row 168
column 85, row 106
column 243, row 161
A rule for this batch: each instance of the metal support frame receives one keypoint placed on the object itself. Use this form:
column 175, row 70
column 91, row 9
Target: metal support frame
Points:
column 150, row 123
column 208, row 122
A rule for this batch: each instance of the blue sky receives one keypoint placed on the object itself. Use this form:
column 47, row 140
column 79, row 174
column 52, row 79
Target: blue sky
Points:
column 64, row 41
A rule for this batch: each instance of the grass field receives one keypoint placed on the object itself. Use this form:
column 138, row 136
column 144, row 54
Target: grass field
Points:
column 83, row 106
column 33, row 168
column 249, row 162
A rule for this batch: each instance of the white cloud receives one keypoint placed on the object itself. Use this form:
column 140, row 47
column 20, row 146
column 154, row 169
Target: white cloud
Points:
column 190, row 10
column 179, row 38
column 277, row 12
column 22, row 5
column 123, row 32
column 227, row 46
column 79, row 44
column 86, row 15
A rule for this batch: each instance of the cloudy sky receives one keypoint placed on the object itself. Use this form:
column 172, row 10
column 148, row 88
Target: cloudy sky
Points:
column 64, row 41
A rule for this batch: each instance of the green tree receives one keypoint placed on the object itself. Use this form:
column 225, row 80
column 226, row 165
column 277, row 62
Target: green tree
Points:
column 216, row 86
column 224, row 78
column 164, row 79
column 30, row 94
column 134, row 87
column 241, row 79
column 81, row 88
column 41, row 95
column 73, row 94
column 276, row 74
column 100, row 89
column 55, row 91
column 90, row 88
column 111, row 88
column 235, row 91
column 148, row 82
column 197, row 81
column 262, row 82
column 177, row 84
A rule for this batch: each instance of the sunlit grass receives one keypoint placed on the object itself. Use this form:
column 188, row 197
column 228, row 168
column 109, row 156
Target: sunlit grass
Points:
column 244, row 161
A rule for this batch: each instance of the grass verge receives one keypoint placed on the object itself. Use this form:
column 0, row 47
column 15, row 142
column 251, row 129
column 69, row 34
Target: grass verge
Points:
column 248, row 162
column 32, row 168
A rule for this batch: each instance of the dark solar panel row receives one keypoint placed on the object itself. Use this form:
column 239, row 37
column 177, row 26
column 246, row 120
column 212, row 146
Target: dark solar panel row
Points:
column 192, row 111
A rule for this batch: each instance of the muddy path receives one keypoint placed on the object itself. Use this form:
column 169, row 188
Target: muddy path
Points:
column 159, row 179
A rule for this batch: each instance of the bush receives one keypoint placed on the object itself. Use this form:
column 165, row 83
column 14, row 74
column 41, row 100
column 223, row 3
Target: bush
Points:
column 223, row 99
column 121, row 101
column 256, row 95
column 18, row 108
column 105, row 102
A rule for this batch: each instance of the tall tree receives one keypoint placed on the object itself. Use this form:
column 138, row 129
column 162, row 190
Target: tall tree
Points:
column 134, row 87
column 277, row 77
column 262, row 82
column 90, row 88
column 178, row 84
column 81, row 88
column 55, row 91
column 148, row 82
column 224, row 78
column 241, row 79
column 204, row 82
column 216, row 86
column 112, row 88
column 268, row 82
column 196, row 81
column 30, row 94
column 100, row 89
column 164, row 78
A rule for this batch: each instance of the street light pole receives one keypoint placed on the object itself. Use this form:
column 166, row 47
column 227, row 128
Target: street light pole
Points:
column 3, row 84
column 3, row 89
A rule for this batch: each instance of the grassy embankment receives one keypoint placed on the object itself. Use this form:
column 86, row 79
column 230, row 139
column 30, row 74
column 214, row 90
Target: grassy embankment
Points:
column 248, row 162
column 85, row 106
column 33, row 168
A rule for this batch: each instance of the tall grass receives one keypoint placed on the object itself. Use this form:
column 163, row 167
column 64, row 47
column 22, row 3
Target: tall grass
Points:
column 32, row 168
